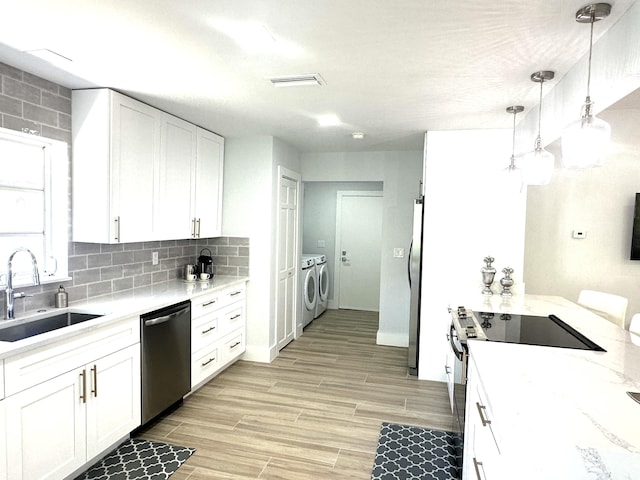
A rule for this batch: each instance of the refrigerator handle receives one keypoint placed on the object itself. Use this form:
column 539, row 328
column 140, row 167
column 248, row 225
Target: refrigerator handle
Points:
column 409, row 263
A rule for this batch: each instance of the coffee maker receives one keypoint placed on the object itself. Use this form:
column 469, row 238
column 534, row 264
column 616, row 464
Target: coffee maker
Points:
column 205, row 262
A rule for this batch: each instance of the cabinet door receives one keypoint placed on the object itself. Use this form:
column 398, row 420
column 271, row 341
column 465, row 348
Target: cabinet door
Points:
column 173, row 200
column 113, row 406
column 46, row 428
column 135, row 137
column 3, row 444
column 207, row 184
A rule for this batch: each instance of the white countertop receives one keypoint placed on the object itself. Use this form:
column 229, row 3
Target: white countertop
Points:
column 115, row 307
column 562, row 413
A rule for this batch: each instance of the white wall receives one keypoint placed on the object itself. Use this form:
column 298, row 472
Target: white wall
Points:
column 400, row 173
column 470, row 211
column 319, row 217
column 249, row 204
column 599, row 201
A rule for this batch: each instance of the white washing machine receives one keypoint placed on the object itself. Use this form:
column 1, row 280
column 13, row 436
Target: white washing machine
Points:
column 322, row 275
column 309, row 289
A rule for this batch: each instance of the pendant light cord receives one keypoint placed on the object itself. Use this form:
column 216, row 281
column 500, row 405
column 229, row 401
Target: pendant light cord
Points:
column 590, row 51
column 539, row 139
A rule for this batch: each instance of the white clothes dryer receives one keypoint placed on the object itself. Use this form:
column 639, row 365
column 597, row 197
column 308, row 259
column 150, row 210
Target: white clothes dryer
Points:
column 309, row 290
column 322, row 274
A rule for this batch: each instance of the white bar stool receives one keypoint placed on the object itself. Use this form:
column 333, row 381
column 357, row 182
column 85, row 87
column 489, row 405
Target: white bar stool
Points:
column 612, row 307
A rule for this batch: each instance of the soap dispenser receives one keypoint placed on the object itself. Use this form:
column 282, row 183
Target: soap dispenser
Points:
column 62, row 298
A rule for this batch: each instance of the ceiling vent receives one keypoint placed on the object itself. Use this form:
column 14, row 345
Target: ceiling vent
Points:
column 297, row 80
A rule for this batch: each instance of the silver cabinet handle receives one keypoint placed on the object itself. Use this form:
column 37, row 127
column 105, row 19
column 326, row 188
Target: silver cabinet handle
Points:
column 212, row 359
column 193, row 227
column 235, row 293
column 83, row 388
column 94, row 372
column 447, row 370
column 476, row 465
column 234, row 345
column 235, row 317
column 198, row 224
column 481, row 410
column 208, row 330
column 211, row 302
column 117, row 232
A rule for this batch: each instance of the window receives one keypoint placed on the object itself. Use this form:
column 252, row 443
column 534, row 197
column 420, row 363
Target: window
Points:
column 34, row 179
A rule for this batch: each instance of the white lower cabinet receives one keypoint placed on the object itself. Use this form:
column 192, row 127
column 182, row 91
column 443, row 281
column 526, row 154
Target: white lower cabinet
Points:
column 3, row 443
column 218, row 329
column 481, row 446
column 71, row 400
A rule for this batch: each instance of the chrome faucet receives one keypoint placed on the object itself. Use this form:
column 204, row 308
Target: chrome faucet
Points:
column 9, row 295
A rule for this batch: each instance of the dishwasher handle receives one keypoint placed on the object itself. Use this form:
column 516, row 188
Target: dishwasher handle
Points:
column 150, row 322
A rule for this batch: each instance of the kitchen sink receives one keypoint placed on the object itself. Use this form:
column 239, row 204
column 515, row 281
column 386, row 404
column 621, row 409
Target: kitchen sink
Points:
column 43, row 325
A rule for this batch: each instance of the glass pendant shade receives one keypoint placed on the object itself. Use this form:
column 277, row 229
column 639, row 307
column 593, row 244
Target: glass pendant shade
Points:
column 537, row 166
column 585, row 142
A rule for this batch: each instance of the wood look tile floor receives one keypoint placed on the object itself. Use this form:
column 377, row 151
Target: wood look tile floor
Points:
column 313, row 413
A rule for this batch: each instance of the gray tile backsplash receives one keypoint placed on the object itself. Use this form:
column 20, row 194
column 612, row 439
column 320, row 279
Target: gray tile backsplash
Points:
column 32, row 104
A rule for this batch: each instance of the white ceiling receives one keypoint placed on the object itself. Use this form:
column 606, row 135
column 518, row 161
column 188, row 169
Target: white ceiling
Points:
column 393, row 68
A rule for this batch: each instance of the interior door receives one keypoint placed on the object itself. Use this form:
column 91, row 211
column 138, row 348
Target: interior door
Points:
column 287, row 256
column 358, row 247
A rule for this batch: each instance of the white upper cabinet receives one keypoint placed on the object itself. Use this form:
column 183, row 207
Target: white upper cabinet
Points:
column 207, row 185
column 177, row 161
column 140, row 174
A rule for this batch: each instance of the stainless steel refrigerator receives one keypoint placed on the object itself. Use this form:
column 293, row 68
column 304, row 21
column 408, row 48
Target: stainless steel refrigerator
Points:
column 415, row 279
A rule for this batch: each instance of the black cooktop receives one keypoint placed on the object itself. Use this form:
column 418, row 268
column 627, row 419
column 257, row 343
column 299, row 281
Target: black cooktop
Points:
column 533, row 330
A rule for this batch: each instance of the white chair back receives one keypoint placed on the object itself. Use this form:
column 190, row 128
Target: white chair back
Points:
column 612, row 307
column 634, row 326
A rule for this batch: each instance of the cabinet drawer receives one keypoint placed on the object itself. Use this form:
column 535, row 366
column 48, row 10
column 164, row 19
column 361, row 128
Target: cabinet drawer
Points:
column 232, row 346
column 482, row 410
column 1, row 379
column 207, row 303
column 204, row 363
column 232, row 318
column 36, row 366
column 204, row 331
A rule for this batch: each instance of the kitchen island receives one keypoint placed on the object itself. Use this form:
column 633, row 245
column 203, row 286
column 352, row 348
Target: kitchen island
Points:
column 554, row 413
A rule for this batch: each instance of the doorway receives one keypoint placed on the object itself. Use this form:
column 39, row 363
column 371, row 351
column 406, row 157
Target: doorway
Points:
column 358, row 247
column 319, row 223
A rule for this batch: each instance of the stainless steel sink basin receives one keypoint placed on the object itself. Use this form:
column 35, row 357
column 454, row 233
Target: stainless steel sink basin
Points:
column 43, row 325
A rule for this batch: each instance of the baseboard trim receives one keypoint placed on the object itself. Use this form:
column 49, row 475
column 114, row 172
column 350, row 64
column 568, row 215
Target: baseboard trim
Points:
column 260, row 354
column 392, row 339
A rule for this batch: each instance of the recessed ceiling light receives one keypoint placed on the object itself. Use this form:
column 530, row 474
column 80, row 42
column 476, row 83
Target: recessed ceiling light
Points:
column 328, row 120
column 50, row 56
column 357, row 135
column 297, row 80
column 253, row 37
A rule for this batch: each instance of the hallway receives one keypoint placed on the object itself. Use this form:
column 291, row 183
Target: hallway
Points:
column 314, row 413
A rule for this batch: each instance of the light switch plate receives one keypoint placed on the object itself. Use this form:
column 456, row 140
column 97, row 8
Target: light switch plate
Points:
column 398, row 252
column 321, row 244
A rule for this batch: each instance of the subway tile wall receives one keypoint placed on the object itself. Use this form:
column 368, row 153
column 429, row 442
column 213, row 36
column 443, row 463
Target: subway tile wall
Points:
column 34, row 105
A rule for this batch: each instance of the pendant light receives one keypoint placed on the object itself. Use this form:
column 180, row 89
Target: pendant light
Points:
column 537, row 166
column 514, row 109
column 584, row 142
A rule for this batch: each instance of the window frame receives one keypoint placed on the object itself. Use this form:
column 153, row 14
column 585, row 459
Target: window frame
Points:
column 55, row 214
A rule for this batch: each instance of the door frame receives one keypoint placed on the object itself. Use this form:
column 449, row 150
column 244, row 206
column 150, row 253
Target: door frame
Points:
column 340, row 195
column 297, row 312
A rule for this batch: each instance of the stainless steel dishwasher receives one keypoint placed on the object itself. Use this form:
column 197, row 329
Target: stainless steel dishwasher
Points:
column 166, row 358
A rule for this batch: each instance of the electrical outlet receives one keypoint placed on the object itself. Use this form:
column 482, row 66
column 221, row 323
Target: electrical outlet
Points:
column 154, row 258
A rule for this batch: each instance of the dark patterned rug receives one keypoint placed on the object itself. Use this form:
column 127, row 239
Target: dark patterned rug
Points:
column 406, row 453
column 138, row 459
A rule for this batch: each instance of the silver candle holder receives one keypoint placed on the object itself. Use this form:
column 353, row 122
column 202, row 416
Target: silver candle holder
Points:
column 488, row 274
column 506, row 282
